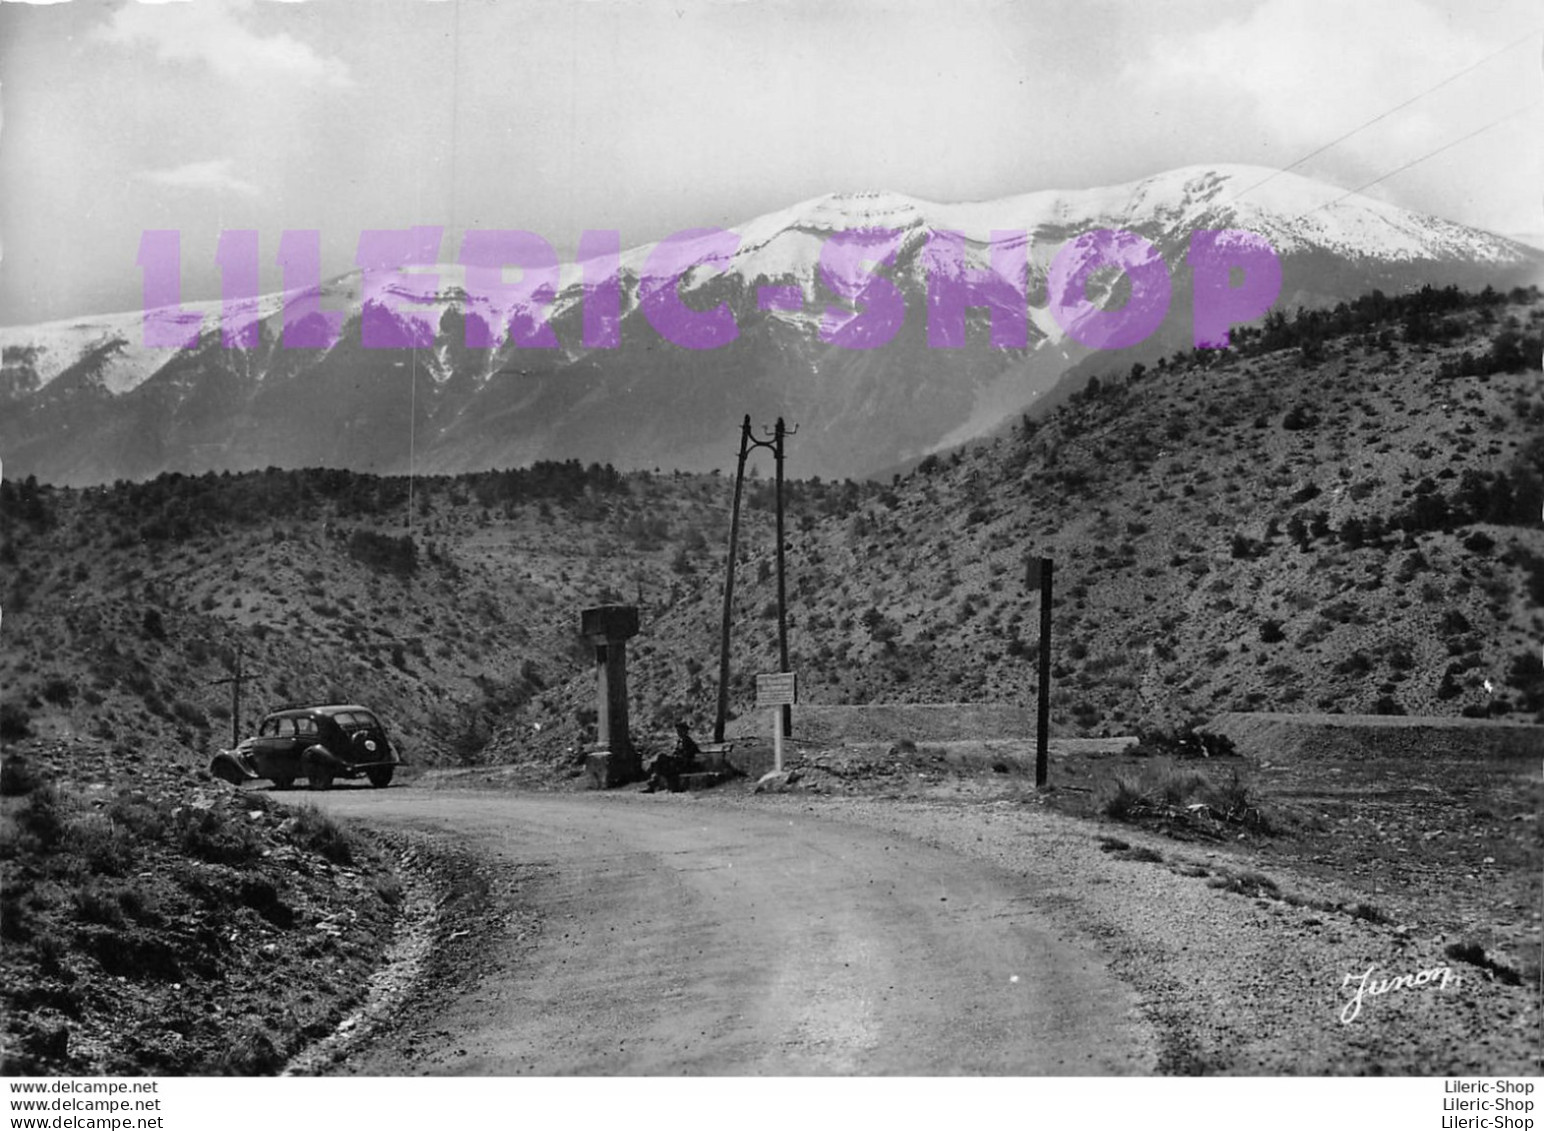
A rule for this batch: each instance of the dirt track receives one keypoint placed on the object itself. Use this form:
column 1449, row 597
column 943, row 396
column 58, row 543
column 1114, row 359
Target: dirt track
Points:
column 695, row 938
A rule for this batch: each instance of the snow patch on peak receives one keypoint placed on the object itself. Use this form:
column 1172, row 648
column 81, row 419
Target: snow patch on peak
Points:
column 837, row 212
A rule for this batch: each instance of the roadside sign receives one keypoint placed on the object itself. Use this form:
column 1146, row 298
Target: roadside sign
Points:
column 777, row 690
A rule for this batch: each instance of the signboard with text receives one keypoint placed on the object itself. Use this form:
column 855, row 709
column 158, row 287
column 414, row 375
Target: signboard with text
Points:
column 777, row 690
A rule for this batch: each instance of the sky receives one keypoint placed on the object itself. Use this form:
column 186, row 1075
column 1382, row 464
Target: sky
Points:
column 650, row 117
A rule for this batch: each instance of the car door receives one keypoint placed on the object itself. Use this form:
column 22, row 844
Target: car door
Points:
column 274, row 754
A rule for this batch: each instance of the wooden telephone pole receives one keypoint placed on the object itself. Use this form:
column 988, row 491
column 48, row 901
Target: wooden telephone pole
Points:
column 774, row 441
column 235, row 681
column 734, row 543
column 1037, row 572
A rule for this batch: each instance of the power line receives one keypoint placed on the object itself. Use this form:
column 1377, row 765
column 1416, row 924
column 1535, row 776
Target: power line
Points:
column 1425, row 156
column 1387, row 113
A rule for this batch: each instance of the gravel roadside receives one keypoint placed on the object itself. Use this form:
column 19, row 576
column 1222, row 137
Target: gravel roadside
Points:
column 1243, row 972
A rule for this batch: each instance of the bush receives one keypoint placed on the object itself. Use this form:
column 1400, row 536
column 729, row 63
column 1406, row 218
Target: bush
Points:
column 108, row 848
column 1253, row 884
column 252, row 1051
column 1186, row 797
column 41, row 817
column 1526, row 673
column 185, row 712
column 1183, row 742
column 1127, row 801
column 1357, row 663
column 383, row 553
column 1301, row 417
column 17, row 778
column 15, row 723
column 58, row 691
column 318, row 832
column 212, row 836
column 1371, row 912
column 138, row 814
column 1479, row 543
column 1474, row 954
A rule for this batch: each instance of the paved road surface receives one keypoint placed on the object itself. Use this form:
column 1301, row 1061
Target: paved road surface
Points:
column 683, row 935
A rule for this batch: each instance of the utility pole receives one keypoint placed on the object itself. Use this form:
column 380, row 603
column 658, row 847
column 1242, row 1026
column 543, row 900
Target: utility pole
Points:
column 774, row 441
column 235, row 681
column 412, row 435
column 734, row 542
column 1038, row 571
column 782, row 589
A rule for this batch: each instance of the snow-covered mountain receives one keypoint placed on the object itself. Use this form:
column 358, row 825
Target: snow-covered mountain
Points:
column 85, row 401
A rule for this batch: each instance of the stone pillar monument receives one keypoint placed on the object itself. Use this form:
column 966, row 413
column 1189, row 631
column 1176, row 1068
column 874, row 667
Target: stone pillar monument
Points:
column 608, row 628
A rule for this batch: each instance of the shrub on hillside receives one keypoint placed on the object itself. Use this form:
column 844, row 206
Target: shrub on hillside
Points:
column 321, row 834
column 210, row 835
column 1300, row 418
column 383, row 553
column 17, row 777
column 1526, row 674
column 1186, row 741
column 15, row 723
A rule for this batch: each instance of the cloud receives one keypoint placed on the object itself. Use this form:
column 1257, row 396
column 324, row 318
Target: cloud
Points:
column 1307, row 70
column 214, row 32
column 215, row 176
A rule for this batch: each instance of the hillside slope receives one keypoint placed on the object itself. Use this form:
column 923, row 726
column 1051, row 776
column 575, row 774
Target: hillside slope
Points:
column 125, row 607
column 1341, row 514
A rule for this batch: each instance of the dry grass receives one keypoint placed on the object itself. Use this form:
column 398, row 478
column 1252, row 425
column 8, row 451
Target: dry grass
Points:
column 1176, row 793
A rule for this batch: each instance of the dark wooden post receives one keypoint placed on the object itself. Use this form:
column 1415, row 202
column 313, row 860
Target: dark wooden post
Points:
column 236, row 701
column 1039, row 571
column 235, row 681
column 734, row 541
column 782, row 590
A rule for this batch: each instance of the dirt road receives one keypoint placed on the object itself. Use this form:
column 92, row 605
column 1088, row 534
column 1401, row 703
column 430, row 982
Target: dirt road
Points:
column 685, row 937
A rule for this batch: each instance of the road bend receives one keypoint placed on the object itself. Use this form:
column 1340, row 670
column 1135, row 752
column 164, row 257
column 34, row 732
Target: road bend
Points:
column 684, row 936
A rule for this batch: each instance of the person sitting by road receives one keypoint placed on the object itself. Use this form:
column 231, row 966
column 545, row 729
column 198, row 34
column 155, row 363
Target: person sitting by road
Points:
column 685, row 748
column 666, row 769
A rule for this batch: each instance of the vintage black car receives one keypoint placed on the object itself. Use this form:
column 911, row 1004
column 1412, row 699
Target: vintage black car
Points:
column 319, row 744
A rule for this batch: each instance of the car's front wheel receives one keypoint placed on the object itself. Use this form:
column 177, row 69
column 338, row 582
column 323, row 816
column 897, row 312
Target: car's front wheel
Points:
column 380, row 776
column 283, row 783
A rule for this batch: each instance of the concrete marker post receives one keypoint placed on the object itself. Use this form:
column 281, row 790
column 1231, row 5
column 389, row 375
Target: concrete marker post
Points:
column 777, row 690
column 777, row 738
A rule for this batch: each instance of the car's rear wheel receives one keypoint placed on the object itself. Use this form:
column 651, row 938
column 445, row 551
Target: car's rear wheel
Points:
column 320, row 779
column 380, row 776
column 283, row 783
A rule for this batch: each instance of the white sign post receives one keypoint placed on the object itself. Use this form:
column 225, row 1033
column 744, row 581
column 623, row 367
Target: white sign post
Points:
column 776, row 691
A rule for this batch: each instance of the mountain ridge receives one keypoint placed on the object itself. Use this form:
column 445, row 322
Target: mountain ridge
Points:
column 88, row 403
